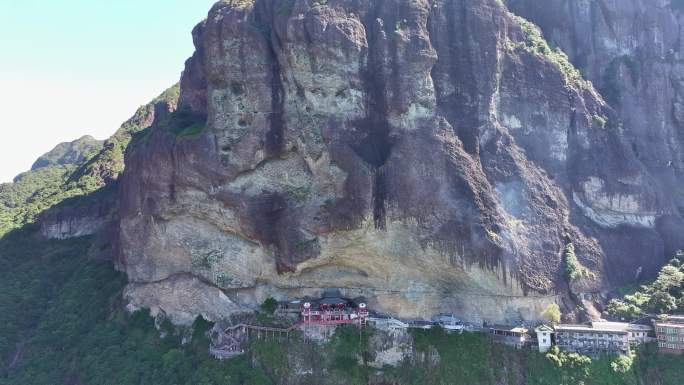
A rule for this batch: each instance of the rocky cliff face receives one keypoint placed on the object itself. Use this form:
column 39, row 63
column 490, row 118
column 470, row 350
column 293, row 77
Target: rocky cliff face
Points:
column 631, row 50
column 430, row 155
column 74, row 222
column 86, row 193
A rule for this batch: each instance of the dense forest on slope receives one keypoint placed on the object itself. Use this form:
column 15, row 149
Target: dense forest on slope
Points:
column 62, row 322
column 665, row 295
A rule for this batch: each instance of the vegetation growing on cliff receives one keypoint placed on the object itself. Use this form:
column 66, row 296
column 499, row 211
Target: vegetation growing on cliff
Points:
column 573, row 268
column 664, row 295
column 552, row 313
column 109, row 163
column 191, row 131
column 35, row 191
column 535, row 43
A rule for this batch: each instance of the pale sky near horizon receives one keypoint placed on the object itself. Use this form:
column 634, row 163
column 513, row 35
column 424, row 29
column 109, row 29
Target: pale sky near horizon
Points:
column 69, row 68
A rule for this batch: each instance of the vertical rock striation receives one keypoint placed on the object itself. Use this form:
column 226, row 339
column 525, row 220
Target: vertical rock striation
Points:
column 631, row 50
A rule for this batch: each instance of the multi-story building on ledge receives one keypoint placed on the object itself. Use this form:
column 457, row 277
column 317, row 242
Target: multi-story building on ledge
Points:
column 587, row 340
column 670, row 334
column 636, row 333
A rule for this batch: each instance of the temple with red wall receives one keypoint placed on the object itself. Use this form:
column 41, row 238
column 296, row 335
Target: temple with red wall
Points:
column 334, row 310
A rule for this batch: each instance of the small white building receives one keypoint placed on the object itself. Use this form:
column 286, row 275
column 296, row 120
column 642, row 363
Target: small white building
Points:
column 544, row 334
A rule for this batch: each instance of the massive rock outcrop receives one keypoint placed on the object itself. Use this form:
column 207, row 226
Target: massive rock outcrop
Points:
column 430, row 155
column 632, row 51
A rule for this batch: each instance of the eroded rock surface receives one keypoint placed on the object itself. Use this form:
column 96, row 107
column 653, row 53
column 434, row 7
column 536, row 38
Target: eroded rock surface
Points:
column 430, row 155
column 180, row 298
column 632, row 51
column 75, row 222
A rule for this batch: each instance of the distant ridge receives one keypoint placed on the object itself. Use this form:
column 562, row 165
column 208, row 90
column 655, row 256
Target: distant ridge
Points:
column 67, row 153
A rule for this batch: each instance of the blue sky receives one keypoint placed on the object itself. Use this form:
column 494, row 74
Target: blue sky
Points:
column 75, row 67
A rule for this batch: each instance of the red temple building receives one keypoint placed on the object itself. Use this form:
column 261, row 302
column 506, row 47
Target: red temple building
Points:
column 334, row 310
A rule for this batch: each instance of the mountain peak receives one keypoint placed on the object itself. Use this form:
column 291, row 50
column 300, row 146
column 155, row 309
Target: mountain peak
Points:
column 68, row 153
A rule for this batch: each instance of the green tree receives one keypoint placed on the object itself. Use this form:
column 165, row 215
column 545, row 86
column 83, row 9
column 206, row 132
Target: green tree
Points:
column 623, row 309
column 270, row 305
column 573, row 268
column 622, row 364
column 662, row 302
column 552, row 313
column 670, row 278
